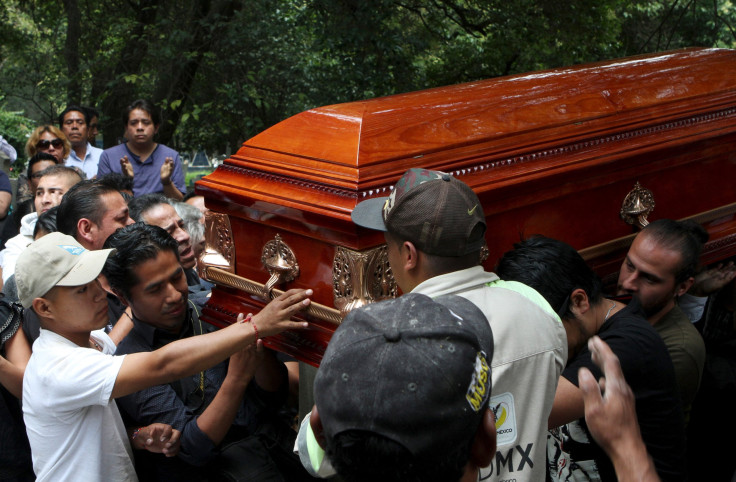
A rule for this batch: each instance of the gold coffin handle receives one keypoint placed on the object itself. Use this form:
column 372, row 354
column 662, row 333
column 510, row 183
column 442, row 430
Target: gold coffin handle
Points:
column 280, row 261
column 637, row 205
column 254, row 288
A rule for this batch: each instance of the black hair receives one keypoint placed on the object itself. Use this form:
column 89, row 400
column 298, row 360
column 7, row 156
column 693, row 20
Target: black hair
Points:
column 134, row 244
column 685, row 237
column 74, row 108
column 46, row 222
column 38, row 157
column 91, row 112
column 82, row 201
column 138, row 206
column 118, row 181
column 361, row 456
column 62, row 170
column 552, row 268
column 143, row 105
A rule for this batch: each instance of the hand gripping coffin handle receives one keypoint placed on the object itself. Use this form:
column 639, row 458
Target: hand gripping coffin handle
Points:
column 280, row 261
column 225, row 278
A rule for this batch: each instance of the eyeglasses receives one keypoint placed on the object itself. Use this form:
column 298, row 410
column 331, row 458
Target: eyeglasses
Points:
column 44, row 144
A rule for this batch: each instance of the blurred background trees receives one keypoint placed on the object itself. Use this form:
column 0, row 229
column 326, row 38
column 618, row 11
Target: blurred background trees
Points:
column 224, row 70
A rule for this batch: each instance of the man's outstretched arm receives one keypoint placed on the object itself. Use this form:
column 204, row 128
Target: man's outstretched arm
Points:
column 186, row 357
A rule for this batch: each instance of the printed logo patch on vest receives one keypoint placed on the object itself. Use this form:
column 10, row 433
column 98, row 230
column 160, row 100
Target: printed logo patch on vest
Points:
column 480, row 385
column 505, row 413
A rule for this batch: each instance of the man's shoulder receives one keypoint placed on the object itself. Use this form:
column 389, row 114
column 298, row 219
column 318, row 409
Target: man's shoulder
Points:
column 678, row 333
column 641, row 351
column 455, row 282
column 94, row 152
column 630, row 328
column 17, row 243
column 5, row 183
column 164, row 151
column 114, row 153
column 137, row 340
column 114, row 149
column 56, row 361
column 676, row 320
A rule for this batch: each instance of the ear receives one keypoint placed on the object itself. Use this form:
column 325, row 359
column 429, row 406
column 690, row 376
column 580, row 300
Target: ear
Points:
column 42, row 307
column 86, row 229
column 409, row 255
column 483, row 449
column 683, row 287
column 579, row 302
column 120, row 296
column 316, row 423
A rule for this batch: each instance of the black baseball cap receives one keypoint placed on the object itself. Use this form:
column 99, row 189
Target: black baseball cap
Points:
column 412, row 369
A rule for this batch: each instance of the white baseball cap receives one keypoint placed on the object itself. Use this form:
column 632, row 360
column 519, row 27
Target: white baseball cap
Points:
column 55, row 260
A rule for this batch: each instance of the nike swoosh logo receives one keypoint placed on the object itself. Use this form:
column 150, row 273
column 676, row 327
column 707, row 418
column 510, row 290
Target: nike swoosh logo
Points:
column 470, row 211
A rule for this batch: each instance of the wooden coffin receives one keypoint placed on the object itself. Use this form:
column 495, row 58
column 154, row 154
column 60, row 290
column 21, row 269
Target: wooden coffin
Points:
column 554, row 152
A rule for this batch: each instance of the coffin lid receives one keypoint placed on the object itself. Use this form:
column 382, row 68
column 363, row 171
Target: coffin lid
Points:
column 553, row 152
column 363, row 147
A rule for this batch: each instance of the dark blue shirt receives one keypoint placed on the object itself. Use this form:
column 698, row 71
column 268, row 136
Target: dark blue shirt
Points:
column 181, row 402
column 5, row 183
column 147, row 175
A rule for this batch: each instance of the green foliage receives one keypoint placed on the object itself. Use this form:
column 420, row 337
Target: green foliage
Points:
column 15, row 128
column 223, row 70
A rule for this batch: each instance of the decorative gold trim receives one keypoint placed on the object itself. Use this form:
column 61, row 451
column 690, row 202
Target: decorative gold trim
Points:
column 316, row 310
column 637, row 205
column 361, row 277
column 280, row 261
column 219, row 248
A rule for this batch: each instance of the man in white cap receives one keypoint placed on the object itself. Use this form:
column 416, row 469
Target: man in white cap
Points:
column 73, row 424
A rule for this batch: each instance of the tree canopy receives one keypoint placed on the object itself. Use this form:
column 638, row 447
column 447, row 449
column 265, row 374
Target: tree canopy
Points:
column 223, row 70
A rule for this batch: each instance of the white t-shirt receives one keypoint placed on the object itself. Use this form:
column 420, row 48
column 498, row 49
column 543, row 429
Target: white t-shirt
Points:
column 17, row 244
column 75, row 429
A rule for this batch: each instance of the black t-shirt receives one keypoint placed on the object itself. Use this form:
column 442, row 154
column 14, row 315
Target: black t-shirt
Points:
column 648, row 370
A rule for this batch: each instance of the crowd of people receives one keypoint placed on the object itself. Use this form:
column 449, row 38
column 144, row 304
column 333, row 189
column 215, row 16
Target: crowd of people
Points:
column 533, row 372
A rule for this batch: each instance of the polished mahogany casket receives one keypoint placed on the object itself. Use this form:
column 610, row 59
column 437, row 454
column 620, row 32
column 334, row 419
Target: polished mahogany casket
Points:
column 584, row 154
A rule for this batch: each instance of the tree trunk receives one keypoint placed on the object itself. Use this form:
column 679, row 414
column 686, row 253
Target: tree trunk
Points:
column 121, row 93
column 71, row 50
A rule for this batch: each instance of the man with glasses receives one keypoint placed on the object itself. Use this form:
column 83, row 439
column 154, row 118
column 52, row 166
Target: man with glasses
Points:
column 74, row 122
